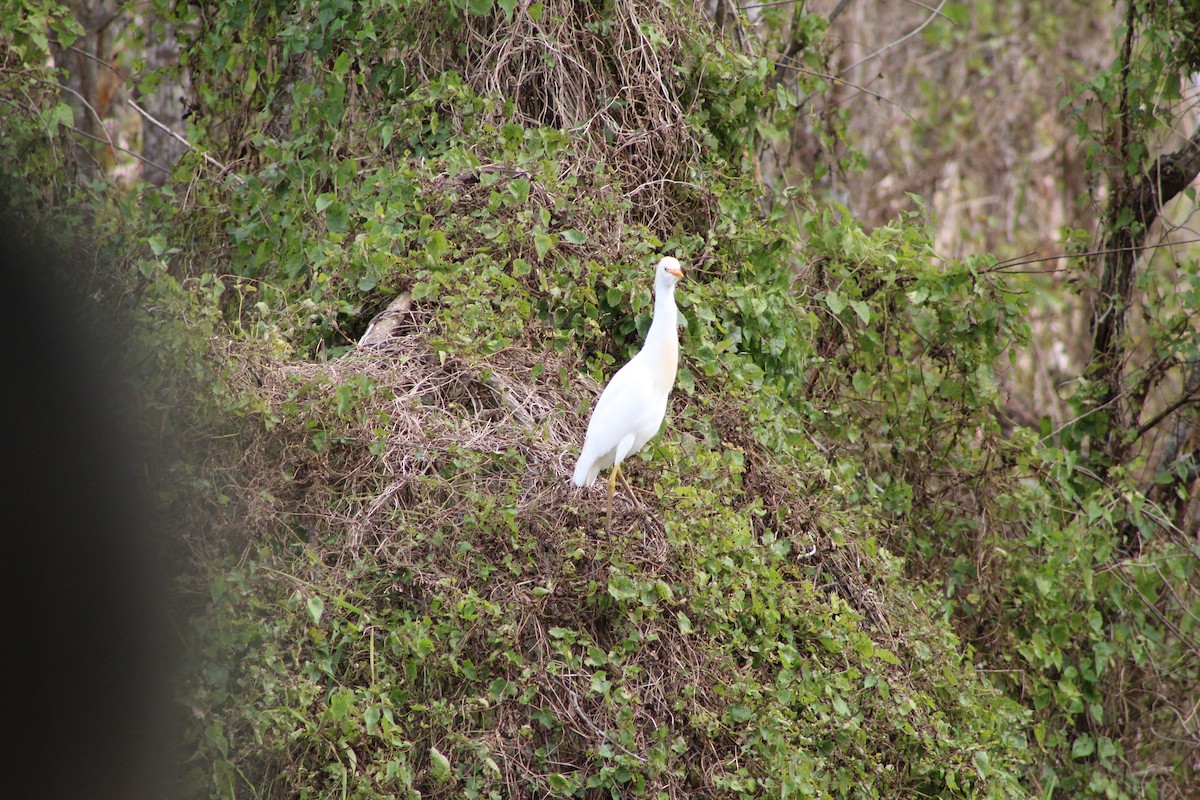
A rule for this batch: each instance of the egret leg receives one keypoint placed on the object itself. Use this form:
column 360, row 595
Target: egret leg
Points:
column 612, row 488
column 629, row 489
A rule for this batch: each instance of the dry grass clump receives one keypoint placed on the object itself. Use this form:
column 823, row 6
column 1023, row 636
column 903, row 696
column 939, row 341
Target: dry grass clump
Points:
column 394, row 415
column 607, row 74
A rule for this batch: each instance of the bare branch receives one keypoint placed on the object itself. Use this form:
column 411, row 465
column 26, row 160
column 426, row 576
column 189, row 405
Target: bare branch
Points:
column 771, row 4
column 186, row 143
column 937, row 12
column 837, row 10
column 839, row 80
column 99, row 121
column 1190, row 395
column 138, row 156
column 1006, row 266
column 98, row 60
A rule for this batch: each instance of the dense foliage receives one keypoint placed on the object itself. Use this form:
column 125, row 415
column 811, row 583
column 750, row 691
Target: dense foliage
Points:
column 844, row 573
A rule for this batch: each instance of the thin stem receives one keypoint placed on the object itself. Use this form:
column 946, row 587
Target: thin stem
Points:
column 185, row 142
column 936, row 13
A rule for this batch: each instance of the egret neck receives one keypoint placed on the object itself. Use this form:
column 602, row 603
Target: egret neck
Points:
column 662, row 340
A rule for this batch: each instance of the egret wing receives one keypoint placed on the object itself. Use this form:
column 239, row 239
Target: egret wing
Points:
column 622, row 409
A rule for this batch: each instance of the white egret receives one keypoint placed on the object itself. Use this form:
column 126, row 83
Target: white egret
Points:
column 631, row 408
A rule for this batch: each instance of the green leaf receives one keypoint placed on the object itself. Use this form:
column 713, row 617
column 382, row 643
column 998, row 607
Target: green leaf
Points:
column 342, row 65
column 886, row 656
column 862, row 382
column 835, row 302
column 437, row 246
column 337, row 217
column 740, row 713
column 507, row 6
column 371, row 718
column 862, row 309
column 316, row 607
column 1083, row 747
column 829, row 643
column 519, row 189
column 621, row 588
column 158, row 244
column 563, row 785
column 542, row 242
column 61, row 115
column 251, row 82
column 440, row 765
column 574, row 236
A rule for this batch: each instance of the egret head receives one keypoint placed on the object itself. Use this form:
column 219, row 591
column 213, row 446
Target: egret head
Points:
column 668, row 273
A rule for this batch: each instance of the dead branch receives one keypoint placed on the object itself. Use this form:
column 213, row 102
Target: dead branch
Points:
column 221, row 167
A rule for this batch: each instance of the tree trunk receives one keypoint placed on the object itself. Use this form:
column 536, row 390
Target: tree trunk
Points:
column 1131, row 212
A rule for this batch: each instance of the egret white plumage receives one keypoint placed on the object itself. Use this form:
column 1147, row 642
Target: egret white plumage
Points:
column 631, row 408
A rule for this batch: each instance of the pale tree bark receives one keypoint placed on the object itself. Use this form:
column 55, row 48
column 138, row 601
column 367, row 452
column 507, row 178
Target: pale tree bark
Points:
column 91, row 80
column 164, row 102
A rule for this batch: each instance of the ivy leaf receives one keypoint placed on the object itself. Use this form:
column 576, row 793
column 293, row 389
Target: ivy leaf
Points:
column 62, row 115
column 542, row 242
column 1083, row 747
column 562, row 785
column 441, row 766
column 315, row 607
column 574, row 236
column 519, row 189
column 437, row 245
column 835, row 302
column 863, row 310
column 337, row 217
column 158, row 244
column 621, row 587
